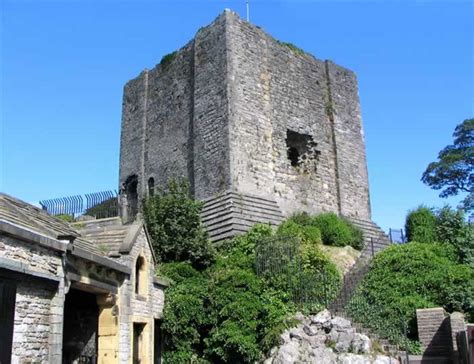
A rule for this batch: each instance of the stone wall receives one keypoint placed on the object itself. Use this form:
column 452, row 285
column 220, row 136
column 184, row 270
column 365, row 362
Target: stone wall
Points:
column 37, row 331
column 32, row 256
column 220, row 112
column 143, row 308
column 349, row 140
column 32, row 325
column 277, row 89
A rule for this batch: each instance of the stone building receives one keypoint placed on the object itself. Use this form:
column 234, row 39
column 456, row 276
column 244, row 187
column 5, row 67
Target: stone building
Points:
column 76, row 293
column 260, row 128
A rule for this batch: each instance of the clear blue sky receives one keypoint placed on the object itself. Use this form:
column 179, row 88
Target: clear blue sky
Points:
column 64, row 64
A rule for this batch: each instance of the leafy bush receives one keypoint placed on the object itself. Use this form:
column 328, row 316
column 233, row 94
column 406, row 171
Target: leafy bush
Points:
column 174, row 223
column 305, row 232
column 452, row 228
column 185, row 321
column 336, row 231
column 65, row 217
column 225, row 313
column 229, row 313
column 410, row 276
column 420, row 225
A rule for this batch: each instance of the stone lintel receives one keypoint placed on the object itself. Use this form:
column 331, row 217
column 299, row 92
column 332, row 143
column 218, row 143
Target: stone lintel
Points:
column 81, row 253
column 23, row 268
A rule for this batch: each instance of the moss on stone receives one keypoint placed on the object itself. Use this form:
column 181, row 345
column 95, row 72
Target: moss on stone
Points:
column 167, row 59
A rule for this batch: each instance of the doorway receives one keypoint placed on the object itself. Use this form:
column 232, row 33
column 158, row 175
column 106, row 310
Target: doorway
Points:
column 81, row 314
column 7, row 317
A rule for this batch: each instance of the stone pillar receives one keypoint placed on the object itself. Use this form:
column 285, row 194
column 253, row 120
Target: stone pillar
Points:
column 56, row 323
column 108, row 332
column 434, row 331
column 457, row 325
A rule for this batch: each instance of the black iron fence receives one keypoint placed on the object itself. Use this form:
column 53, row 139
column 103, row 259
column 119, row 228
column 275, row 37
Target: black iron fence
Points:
column 279, row 261
column 99, row 205
column 397, row 236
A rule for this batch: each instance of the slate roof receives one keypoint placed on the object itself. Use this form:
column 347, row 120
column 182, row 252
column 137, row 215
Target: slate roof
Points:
column 33, row 218
column 109, row 235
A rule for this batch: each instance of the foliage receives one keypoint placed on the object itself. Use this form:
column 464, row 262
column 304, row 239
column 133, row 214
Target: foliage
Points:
column 107, row 208
column 292, row 47
column 294, row 265
column 185, row 318
column 225, row 313
column 229, row 313
column 454, row 171
column 420, row 225
column 336, row 231
column 174, row 223
column 167, row 59
column 65, row 217
column 452, row 228
column 446, row 225
column 410, row 276
column 308, row 233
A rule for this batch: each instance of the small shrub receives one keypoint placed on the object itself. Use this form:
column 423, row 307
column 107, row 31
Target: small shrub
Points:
column 420, row 225
column 65, row 217
column 167, row 59
column 174, row 222
column 292, row 47
column 337, row 232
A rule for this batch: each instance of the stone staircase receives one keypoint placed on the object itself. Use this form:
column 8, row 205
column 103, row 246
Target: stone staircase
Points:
column 231, row 213
column 375, row 240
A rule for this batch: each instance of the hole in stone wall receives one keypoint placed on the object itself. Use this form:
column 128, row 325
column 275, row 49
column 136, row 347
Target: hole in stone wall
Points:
column 293, row 156
column 301, row 150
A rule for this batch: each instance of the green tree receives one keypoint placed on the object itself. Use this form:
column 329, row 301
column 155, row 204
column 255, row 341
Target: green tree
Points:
column 173, row 220
column 453, row 173
column 452, row 228
column 420, row 225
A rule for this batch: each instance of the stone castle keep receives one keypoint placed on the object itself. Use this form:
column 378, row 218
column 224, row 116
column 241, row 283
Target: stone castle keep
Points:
column 246, row 118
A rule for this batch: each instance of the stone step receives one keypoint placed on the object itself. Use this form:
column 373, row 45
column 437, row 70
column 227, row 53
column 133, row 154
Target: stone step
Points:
column 223, row 209
column 240, row 200
column 97, row 223
column 246, row 215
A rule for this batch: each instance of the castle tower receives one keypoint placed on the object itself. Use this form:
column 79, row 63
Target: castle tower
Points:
column 260, row 128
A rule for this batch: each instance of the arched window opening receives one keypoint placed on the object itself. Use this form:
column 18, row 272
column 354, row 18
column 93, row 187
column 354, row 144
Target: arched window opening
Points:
column 131, row 193
column 151, row 186
column 140, row 276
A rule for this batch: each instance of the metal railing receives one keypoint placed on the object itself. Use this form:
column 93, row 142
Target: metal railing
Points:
column 98, row 204
column 279, row 261
column 397, row 236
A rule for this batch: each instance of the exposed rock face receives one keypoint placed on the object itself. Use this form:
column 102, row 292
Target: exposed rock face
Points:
column 325, row 339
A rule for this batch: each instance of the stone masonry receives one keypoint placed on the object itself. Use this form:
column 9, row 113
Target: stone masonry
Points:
column 237, row 110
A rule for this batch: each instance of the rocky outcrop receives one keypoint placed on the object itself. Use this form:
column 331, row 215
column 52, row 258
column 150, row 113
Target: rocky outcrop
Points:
column 325, row 339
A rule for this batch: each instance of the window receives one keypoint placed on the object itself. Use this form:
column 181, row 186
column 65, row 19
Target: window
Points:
column 140, row 276
column 130, row 189
column 151, row 186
